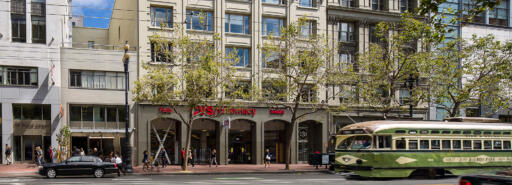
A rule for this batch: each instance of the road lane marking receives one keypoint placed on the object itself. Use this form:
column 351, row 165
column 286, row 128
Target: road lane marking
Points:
column 237, row 178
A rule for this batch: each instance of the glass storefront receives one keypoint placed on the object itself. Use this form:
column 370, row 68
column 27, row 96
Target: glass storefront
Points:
column 204, row 140
column 240, row 150
column 275, row 137
column 167, row 130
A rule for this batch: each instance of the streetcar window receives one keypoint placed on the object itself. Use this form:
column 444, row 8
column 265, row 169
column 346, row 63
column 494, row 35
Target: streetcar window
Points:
column 487, row 144
column 384, row 141
column 466, row 132
column 466, row 144
column 477, row 145
column 456, row 132
column 487, row 132
column 497, row 132
column 345, row 143
column 435, row 144
column 424, row 132
column 424, row 144
column 361, row 142
column 445, row 132
column 447, row 144
column 456, row 144
column 400, row 144
column 497, row 145
column 506, row 145
column 506, row 133
column 477, row 132
column 400, row 131
column 413, row 131
column 358, row 132
column 434, row 132
column 346, row 132
column 413, row 144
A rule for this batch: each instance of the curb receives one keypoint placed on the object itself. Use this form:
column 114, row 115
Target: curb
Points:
column 229, row 173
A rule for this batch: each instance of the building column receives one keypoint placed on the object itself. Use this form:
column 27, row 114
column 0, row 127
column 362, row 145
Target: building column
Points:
column 55, row 124
column 222, row 148
column 509, row 14
column 325, row 136
column 294, row 144
column 7, row 128
column 258, row 139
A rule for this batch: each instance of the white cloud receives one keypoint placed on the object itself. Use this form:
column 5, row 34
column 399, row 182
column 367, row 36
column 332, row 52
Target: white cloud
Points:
column 79, row 5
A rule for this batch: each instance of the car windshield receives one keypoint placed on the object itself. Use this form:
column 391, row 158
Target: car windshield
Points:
column 74, row 159
column 355, row 143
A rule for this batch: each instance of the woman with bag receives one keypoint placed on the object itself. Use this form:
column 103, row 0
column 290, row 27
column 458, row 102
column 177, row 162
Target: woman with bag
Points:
column 268, row 156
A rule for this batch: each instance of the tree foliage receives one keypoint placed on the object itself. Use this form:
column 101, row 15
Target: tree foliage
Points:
column 195, row 73
column 476, row 74
column 63, row 139
column 298, row 63
column 386, row 66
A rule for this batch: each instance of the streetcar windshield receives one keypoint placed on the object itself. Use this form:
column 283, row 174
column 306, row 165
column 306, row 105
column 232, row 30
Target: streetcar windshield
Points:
column 355, row 143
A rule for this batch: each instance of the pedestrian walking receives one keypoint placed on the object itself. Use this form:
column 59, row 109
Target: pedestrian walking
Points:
column 39, row 156
column 190, row 158
column 268, row 156
column 182, row 156
column 145, row 161
column 119, row 162
column 8, row 154
column 163, row 159
column 50, row 155
column 82, row 153
column 213, row 158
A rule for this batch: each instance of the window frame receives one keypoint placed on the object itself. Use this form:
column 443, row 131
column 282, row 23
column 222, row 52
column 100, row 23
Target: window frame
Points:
column 350, row 32
column 264, row 27
column 246, row 28
column 207, row 25
column 167, row 22
column 92, row 76
column 244, row 60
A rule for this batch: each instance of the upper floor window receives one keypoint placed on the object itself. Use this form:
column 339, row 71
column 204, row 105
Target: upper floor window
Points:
column 470, row 4
column 240, row 90
column 308, row 3
column 272, row 26
column 274, row 89
column 308, row 93
column 346, row 93
column 97, row 113
column 346, row 59
column 377, row 4
column 161, row 52
column 18, row 7
column 346, row 32
column 373, row 34
column 499, row 14
column 274, row 1
column 161, row 17
column 198, row 20
column 406, row 5
column 308, row 29
column 96, row 79
column 38, row 7
column 38, row 29
column 237, row 23
column 90, row 44
column 19, row 76
column 31, row 112
column 272, row 60
column 19, row 28
column 241, row 56
column 404, row 96
column 347, row 3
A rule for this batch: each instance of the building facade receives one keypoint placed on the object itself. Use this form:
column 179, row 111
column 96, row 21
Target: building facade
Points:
column 31, row 35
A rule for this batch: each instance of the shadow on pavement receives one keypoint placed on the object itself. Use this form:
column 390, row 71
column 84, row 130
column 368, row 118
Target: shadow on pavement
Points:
column 359, row 178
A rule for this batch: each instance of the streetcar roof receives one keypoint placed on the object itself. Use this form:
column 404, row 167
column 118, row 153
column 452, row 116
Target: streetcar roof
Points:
column 375, row 126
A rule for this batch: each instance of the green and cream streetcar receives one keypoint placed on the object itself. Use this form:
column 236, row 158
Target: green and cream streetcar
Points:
column 402, row 148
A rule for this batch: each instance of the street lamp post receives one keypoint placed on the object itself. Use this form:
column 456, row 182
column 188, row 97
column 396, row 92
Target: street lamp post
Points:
column 127, row 146
column 410, row 84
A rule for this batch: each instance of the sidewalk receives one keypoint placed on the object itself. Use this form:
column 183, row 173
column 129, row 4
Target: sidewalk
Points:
column 230, row 169
column 30, row 170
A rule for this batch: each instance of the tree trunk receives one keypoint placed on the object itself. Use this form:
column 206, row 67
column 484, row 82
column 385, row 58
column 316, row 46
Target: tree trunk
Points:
column 288, row 144
column 454, row 110
column 187, row 147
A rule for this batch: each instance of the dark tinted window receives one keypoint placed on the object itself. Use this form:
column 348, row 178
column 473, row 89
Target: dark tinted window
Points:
column 435, row 144
column 400, row 144
column 497, row 145
column 446, row 132
column 413, row 144
column 456, row 132
column 506, row 133
column 424, row 144
column 87, row 159
column 487, row 144
column 497, row 132
column 506, row 145
column 434, row 132
column 467, row 132
column 447, row 144
column 467, row 144
column 400, row 131
column 477, row 132
column 346, row 132
column 456, row 144
column 477, row 144
column 424, row 132
column 487, row 132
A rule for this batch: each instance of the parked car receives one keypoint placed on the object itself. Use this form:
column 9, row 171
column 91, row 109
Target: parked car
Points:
column 79, row 165
column 485, row 180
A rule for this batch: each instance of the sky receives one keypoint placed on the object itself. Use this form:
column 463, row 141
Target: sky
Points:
column 96, row 12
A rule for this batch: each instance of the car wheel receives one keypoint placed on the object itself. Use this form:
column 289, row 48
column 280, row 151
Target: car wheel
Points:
column 98, row 173
column 51, row 173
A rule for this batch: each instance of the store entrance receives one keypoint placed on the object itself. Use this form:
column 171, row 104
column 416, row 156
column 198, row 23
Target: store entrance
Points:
column 240, row 142
column 30, row 143
column 309, row 138
column 165, row 131
column 104, row 145
column 275, row 139
column 204, row 140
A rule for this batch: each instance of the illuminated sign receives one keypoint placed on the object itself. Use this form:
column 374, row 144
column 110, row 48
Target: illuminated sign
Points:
column 277, row 111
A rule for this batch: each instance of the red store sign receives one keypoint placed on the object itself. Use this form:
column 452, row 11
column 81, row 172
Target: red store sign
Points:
column 214, row 111
column 166, row 110
column 277, row 111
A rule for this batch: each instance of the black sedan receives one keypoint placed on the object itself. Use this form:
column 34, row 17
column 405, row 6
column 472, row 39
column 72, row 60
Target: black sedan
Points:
column 79, row 165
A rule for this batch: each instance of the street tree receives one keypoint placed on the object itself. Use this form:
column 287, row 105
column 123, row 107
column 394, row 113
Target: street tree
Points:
column 194, row 72
column 472, row 72
column 298, row 63
column 63, row 139
column 386, row 66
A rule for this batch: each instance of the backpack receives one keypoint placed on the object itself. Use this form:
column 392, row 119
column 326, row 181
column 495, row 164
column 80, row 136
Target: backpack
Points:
column 8, row 151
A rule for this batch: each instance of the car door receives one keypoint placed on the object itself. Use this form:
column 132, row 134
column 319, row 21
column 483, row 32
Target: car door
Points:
column 69, row 166
column 86, row 165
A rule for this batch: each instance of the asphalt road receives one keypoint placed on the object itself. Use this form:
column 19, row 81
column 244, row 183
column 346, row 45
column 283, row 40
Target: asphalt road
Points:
column 295, row 179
